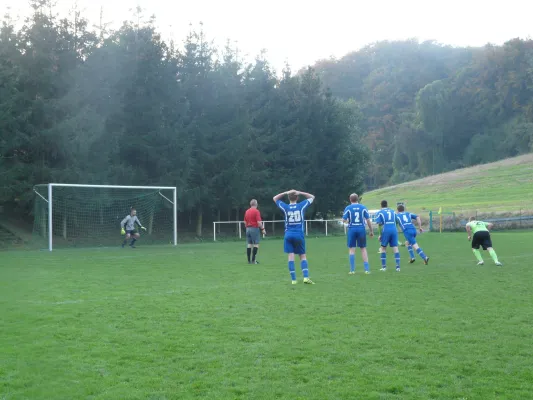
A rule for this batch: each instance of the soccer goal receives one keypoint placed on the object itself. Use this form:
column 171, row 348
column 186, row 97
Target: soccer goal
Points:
column 72, row 215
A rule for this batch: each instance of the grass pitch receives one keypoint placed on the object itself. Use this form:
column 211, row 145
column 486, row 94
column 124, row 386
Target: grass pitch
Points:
column 198, row 322
column 502, row 187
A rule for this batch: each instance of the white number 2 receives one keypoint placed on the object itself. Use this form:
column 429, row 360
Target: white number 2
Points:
column 356, row 217
column 294, row 216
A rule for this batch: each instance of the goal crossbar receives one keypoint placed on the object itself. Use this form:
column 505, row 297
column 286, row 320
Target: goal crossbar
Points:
column 74, row 185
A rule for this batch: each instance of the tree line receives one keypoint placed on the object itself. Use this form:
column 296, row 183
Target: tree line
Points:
column 125, row 107
column 429, row 108
column 82, row 104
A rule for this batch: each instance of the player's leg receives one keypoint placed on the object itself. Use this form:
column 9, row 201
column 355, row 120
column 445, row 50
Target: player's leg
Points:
column 248, row 245
column 351, row 250
column 135, row 236
column 475, row 248
column 255, row 249
column 409, row 246
column 299, row 248
column 361, row 241
column 288, row 247
column 418, row 249
column 255, row 244
column 383, row 254
column 126, row 238
column 393, row 242
column 487, row 244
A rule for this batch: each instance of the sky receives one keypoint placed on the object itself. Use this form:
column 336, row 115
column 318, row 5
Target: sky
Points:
column 301, row 32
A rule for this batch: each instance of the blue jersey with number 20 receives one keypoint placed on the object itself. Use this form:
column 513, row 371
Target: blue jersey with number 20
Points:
column 294, row 214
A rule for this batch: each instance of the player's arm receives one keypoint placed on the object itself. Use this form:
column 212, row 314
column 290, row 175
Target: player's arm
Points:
column 469, row 231
column 279, row 196
column 260, row 223
column 366, row 216
column 489, row 225
column 419, row 221
column 379, row 221
column 398, row 224
column 308, row 196
column 345, row 217
column 123, row 225
column 370, row 227
column 139, row 223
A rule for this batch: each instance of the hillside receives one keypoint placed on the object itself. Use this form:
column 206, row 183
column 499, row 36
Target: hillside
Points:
column 502, row 187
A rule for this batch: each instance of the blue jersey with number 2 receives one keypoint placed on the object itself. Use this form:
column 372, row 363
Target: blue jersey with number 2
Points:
column 294, row 215
column 356, row 215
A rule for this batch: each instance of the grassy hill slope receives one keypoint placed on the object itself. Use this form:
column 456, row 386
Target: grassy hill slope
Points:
column 502, row 187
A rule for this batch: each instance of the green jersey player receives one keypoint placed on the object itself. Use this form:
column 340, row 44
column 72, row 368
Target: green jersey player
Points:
column 478, row 232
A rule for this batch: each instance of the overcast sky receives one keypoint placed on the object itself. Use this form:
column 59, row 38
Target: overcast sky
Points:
column 303, row 31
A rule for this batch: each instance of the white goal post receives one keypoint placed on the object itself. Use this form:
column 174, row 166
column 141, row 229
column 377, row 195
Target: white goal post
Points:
column 153, row 190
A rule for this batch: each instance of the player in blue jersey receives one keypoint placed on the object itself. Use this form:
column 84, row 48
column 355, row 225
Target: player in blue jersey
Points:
column 356, row 216
column 294, row 241
column 388, row 234
column 405, row 220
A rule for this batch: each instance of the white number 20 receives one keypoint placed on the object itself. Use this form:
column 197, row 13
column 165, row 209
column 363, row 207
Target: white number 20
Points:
column 294, row 216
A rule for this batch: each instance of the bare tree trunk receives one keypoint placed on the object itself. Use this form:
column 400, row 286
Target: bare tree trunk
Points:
column 199, row 220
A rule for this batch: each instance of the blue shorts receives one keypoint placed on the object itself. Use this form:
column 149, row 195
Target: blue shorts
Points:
column 389, row 238
column 294, row 242
column 410, row 236
column 356, row 238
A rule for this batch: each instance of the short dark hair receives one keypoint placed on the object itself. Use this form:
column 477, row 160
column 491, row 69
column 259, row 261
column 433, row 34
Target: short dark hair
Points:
column 472, row 218
column 384, row 203
column 401, row 208
column 354, row 198
column 293, row 196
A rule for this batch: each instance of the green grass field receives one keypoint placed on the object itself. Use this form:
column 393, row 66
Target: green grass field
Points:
column 196, row 322
column 504, row 186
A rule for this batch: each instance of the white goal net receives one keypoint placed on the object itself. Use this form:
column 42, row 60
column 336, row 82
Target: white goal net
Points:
column 90, row 215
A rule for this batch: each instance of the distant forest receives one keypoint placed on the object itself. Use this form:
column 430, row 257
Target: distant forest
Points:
column 96, row 106
column 426, row 108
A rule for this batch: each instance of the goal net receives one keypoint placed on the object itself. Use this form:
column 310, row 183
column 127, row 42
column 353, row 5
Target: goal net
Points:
column 90, row 215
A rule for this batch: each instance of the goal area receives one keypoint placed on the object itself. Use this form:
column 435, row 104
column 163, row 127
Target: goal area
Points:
column 72, row 215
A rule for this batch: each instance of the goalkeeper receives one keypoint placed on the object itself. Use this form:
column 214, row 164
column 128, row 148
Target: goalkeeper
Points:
column 128, row 228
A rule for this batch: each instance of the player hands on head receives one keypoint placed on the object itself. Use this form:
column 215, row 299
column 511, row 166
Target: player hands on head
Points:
column 388, row 234
column 294, row 239
column 128, row 228
column 253, row 224
column 478, row 232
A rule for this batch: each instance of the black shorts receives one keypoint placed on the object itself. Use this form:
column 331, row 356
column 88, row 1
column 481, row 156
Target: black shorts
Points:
column 482, row 239
column 132, row 232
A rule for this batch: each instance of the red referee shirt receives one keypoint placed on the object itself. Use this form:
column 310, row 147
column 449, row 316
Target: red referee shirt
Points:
column 252, row 217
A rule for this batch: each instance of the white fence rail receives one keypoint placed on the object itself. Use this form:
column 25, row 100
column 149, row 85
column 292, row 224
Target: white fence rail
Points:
column 325, row 227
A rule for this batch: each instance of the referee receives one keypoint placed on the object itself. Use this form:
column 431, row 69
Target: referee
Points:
column 253, row 223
